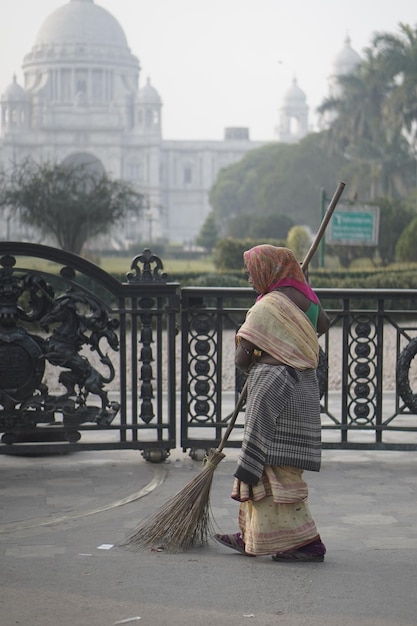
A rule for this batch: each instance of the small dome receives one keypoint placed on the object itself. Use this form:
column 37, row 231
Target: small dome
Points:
column 81, row 21
column 346, row 60
column 294, row 95
column 148, row 94
column 14, row 92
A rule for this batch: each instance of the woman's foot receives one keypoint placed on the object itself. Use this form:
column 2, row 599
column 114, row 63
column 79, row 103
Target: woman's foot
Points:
column 235, row 542
column 313, row 551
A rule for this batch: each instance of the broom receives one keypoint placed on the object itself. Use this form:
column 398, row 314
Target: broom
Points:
column 183, row 521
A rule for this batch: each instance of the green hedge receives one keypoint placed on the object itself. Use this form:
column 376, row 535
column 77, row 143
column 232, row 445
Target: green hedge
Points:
column 356, row 279
column 320, row 279
column 373, row 279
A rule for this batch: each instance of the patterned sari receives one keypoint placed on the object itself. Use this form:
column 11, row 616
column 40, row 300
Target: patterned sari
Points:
column 282, row 434
column 277, row 516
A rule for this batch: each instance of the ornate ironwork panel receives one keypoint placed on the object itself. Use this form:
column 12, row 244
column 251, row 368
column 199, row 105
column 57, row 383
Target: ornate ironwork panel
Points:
column 78, row 368
column 209, row 320
column 366, row 401
column 363, row 409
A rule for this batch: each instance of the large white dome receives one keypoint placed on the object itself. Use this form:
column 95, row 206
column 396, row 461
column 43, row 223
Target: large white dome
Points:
column 83, row 32
column 81, row 21
column 81, row 60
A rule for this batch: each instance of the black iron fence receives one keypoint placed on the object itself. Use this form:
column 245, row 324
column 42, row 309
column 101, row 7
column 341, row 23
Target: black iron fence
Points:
column 89, row 362
column 366, row 371
column 86, row 360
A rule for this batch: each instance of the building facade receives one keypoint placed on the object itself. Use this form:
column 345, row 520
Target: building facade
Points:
column 83, row 101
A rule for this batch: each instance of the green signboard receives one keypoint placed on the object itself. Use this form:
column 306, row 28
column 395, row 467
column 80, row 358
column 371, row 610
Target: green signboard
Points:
column 354, row 226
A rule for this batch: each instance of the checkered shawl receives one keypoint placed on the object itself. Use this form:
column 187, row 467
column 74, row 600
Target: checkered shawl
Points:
column 282, row 424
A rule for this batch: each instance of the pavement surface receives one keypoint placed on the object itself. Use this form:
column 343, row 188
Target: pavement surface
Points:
column 63, row 518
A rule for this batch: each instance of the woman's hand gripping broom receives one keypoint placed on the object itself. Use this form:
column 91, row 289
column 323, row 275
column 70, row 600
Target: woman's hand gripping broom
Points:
column 184, row 521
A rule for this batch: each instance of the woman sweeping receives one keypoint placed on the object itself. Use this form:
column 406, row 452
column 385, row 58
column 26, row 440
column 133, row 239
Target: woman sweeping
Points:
column 278, row 346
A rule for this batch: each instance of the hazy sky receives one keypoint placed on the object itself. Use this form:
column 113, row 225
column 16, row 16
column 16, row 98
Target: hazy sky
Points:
column 219, row 63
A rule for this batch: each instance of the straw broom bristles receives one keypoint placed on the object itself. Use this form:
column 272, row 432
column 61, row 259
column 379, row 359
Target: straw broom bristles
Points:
column 183, row 521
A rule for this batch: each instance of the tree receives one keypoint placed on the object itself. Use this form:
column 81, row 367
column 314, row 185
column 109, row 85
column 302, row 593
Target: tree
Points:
column 261, row 226
column 397, row 57
column 208, row 234
column 67, row 202
column 299, row 241
column 375, row 109
column 395, row 216
column 280, row 179
column 234, row 192
column 406, row 249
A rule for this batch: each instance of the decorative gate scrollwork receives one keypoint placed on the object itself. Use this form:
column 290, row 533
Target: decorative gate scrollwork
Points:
column 70, row 322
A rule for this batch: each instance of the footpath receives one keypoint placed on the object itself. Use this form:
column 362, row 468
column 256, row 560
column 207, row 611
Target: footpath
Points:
column 63, row 517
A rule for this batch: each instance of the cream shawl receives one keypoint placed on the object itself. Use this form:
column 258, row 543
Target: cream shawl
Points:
column 278, row 326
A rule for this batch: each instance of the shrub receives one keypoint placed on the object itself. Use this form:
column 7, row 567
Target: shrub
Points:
column 228, row 253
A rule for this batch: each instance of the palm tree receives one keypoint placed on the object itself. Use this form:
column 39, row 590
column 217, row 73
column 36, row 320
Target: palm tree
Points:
column 368, row 129
column 397, row 58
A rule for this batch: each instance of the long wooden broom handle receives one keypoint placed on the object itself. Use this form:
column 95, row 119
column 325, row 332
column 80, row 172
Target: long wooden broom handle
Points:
column 304, row 265
column 323, row 225
column 239, row 404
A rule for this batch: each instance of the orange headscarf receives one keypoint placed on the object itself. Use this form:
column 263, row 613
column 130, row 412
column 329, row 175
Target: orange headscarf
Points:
column 271, row 267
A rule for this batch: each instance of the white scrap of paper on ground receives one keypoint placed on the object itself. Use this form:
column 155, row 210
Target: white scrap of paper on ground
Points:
column 105, row 546
column 126, row 621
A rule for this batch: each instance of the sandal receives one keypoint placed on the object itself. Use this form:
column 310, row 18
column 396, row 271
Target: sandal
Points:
column 235, row 542
column 313, row 551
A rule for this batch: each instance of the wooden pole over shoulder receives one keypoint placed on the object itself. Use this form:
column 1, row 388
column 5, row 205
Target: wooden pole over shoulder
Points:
column 323, row 225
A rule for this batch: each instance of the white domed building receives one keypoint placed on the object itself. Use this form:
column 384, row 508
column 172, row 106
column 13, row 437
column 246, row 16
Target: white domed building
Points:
column 83, row 101
column 293, row 115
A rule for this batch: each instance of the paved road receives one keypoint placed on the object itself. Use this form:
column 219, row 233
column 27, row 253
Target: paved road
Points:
column 62, row 518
